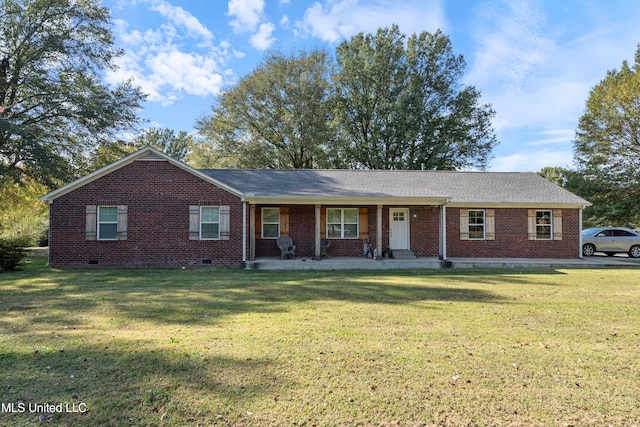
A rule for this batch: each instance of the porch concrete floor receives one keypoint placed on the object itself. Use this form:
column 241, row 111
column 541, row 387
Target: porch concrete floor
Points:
column 357, row 263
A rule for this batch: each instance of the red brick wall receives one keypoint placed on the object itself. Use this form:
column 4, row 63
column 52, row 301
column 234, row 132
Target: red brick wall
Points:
column 158, row 196
column 511, row 227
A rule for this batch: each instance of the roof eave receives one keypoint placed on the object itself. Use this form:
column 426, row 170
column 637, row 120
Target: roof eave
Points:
column 345, row 200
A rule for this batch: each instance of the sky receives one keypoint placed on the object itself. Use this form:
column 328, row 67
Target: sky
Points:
column 534, row 61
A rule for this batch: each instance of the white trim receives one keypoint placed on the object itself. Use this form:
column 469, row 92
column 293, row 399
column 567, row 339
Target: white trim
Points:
column 106, row 222
column 580, row 234
column 343, row 223
column 484, row 224
column 407, row 216
column 262, row 236
column 202, row 222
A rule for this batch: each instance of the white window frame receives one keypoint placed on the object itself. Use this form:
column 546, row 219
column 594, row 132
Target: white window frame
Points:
column 270, row 223
column 483, row 225
column 203, row 222
column 102, row 222
column 343, row 223
column 540, row 225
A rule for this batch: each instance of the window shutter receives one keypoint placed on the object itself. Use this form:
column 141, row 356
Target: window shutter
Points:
column 284, row 221
column 464, row 224
column 194, row 222
column 225, row 229
column 557, row 224
column 363, row 223
column 92, row 222
column 532, row 224
column 490, row 226
column 122, row 222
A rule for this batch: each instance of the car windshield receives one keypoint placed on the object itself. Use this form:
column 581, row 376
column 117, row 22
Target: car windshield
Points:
column 591, row 231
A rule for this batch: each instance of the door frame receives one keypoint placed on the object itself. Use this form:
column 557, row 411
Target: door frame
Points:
column 407, row 217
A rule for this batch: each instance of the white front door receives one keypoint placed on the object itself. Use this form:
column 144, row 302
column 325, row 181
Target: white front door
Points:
column 399, row 228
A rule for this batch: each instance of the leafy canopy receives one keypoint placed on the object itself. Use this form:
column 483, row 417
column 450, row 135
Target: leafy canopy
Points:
column 54, row 106
column 607, row 147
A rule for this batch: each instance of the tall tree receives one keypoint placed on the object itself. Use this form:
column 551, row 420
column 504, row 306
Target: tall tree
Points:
column 607, row 146
column 402, row 105
column 53, row 103
column 277, row 116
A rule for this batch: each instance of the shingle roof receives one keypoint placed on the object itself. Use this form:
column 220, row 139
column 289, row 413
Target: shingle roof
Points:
column 480, row 188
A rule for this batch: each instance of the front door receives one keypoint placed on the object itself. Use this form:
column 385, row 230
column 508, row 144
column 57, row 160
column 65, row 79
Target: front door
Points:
column 399, row 228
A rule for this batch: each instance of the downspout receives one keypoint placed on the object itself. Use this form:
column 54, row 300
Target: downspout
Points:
column 244, row 230
column 444, row 230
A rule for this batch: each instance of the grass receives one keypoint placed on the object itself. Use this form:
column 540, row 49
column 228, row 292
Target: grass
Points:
column 236, row 348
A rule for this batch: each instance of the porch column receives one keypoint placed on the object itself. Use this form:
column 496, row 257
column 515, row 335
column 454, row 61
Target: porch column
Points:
column 252, row 232
column 316, row 254
column 379, row 231
column 443, row 232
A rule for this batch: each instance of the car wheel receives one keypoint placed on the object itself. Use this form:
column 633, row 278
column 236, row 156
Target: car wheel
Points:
column 588, row 249
column 634, row 251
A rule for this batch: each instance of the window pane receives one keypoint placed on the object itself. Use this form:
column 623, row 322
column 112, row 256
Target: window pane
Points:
column 350, row 231
column 270, row 230
column 476, row 232
column 209, row 231
column 271, row 215
column 543, row 217
column 108, row 231
column 210, row 214
column 476, row 217
column 351, row 216
column 543, row 232
column 334, row 231
column 334, row 215
column 108, row 214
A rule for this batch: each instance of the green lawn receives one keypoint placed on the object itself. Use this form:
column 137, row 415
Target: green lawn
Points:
column 237, row 348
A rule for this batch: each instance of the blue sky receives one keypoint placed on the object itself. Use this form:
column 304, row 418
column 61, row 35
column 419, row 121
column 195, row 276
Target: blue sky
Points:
column 535, row 61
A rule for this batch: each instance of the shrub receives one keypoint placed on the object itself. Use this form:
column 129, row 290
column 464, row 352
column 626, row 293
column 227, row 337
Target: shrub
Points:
column 12, row 253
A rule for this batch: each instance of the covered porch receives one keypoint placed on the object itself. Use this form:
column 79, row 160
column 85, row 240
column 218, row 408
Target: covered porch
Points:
column 410, row 226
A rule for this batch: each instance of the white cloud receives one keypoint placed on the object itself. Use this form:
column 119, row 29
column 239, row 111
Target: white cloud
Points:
column 338, row 19
column 165, row 70
column 263, row 38
column 247, row 15
column 182, row 18
column 513, row 41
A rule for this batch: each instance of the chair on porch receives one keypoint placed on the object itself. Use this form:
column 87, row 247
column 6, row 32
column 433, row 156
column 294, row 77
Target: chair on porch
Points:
column 324, row 248
column 287, row 248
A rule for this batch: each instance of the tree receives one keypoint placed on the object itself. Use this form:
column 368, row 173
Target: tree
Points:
column 165, row 140
column 54, row 107
column 403, row 106
column 607, row 146
column 277, row 116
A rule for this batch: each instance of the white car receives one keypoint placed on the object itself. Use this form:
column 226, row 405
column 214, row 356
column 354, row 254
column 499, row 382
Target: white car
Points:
column 611, row 241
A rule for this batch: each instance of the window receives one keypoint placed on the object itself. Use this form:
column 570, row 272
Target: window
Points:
column 476, row 224
column 342, row 223
column 543, row 224
column 209, row 222
column 107, row 223
column 270, row 223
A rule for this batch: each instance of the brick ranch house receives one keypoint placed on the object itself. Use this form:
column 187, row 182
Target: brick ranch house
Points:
column 149, row 209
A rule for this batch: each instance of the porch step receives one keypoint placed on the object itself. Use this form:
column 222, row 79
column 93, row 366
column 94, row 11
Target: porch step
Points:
column 403, row 254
